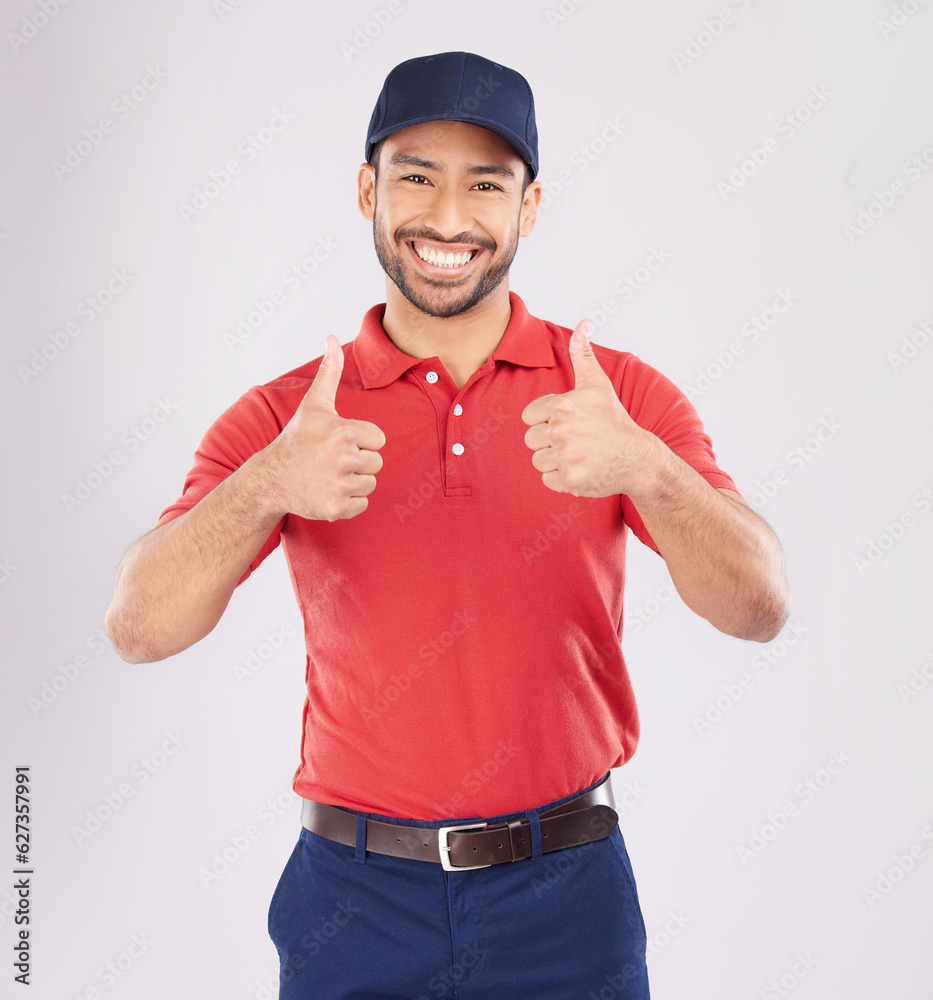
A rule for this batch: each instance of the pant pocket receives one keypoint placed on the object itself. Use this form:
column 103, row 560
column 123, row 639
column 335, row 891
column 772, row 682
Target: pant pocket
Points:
column 283, row 891
column 620, row 856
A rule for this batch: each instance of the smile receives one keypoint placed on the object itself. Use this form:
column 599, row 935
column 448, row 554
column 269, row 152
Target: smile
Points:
column 436, row 260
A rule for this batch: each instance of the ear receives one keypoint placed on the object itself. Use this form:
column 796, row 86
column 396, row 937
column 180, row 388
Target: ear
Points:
column 529, row 212
column 366, row 181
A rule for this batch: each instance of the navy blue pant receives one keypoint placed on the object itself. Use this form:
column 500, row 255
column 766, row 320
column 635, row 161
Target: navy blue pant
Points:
column 355, row 925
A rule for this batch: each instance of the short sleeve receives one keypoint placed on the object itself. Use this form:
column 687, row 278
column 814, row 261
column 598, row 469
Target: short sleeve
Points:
column 656, row 404
column 238, row 433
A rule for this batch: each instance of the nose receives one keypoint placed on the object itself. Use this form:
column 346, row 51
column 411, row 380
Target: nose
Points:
column 448, row 213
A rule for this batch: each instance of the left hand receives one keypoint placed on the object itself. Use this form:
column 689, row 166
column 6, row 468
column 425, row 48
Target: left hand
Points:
column 584, row 441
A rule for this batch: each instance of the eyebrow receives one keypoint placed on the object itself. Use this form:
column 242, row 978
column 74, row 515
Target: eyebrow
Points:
column 408, row 159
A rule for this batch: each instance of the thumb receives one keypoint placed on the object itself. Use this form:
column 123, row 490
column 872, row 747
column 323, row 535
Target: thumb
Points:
column 586, row 369
column 323, row 390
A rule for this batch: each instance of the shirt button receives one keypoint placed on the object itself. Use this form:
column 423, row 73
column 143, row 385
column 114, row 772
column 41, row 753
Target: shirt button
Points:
column 458, row 409
column 457, row 449
column 431, row 376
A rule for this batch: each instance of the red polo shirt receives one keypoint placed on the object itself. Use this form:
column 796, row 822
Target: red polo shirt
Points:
column 462, row 633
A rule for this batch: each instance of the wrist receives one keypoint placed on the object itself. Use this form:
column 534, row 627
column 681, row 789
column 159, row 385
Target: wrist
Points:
column 657, row 471
column 262, row 482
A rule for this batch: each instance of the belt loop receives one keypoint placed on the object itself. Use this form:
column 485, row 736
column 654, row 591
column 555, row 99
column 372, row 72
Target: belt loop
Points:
column 532, row 815
column 360, row 853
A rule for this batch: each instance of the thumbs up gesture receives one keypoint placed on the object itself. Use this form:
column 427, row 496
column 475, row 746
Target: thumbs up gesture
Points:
column 322, row 466
column 583, row 441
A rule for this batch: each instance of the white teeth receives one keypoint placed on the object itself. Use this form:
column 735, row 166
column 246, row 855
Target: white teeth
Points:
column 442, row 259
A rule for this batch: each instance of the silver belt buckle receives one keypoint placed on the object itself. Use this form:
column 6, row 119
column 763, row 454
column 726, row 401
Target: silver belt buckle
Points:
column 445, row 848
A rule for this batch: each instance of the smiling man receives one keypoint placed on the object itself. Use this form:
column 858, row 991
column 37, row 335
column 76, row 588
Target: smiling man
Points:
column 453, row 489
column 448, row 293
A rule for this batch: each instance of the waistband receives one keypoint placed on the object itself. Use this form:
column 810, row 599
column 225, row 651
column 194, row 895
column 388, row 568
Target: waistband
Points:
column 471, row 842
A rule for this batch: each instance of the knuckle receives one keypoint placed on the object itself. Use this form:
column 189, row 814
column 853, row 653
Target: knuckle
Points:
column 562, row 405
column 573, row 479
column 336, row 508
column 347, row 463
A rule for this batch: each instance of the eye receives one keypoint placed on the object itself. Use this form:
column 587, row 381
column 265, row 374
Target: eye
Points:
column 485, row 185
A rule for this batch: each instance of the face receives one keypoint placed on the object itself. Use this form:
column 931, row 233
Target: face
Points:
column 447, row 188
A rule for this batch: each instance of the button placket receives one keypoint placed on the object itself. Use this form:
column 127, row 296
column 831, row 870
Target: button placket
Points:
column 455, row 467
column 457, row 450
column 451, row 469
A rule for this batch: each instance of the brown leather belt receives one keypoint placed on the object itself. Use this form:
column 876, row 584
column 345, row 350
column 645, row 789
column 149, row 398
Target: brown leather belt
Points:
column 587, row 817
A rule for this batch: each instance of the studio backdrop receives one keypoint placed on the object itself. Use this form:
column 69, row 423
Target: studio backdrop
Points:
column 739, row 192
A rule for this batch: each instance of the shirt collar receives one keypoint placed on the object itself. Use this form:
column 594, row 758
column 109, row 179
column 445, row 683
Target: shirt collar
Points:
column 525, row 342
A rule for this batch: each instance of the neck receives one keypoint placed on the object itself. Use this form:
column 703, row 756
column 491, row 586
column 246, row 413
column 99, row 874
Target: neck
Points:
column 463, row 343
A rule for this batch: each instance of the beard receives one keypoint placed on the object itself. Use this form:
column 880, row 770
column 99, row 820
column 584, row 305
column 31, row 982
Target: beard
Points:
column 437, row 296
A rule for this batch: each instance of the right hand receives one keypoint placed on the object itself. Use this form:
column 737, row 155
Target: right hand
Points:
column 323, row 466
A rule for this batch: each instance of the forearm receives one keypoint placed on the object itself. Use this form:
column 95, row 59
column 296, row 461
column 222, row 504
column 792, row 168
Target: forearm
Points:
column 724, row 560
column 174, row 583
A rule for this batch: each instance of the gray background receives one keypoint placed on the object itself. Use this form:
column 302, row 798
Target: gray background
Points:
column 718, row 924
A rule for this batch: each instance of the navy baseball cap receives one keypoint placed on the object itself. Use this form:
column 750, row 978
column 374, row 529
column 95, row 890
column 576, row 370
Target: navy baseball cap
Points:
column 461, row 87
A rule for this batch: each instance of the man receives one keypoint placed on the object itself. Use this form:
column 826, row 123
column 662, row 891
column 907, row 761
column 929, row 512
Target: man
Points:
column 453, row 490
